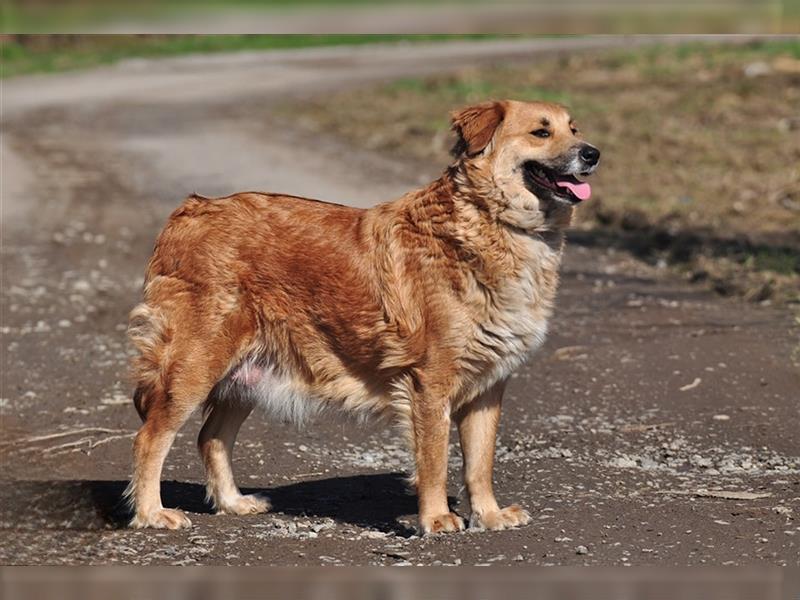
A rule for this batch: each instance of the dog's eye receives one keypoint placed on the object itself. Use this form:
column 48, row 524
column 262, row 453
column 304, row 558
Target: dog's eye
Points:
column 574, row 130
column 541, row 133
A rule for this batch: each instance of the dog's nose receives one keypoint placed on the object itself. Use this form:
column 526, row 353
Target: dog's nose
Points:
column 590, row 155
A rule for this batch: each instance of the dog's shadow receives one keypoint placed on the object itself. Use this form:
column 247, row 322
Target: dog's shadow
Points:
column 375, row 501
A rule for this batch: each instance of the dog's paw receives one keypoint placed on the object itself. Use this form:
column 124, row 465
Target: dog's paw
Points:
column 164, row 518
column 252, row 504
column 505, row 518
column 441, row 523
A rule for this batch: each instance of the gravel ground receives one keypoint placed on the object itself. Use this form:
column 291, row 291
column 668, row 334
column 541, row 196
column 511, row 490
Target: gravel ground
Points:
column 658, row 425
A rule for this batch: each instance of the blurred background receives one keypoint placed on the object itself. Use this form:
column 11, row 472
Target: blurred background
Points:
column 704, row 132
column 401, row 16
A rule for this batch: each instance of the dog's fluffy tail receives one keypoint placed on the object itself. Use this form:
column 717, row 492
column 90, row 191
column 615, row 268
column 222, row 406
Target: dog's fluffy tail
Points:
column 150, row 333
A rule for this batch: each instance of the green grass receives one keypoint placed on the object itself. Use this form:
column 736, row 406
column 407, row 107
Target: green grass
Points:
column 657, row 63
column 786, row 262
column 45, row 54
column 661, row 60
column 42, row 16
column 39, row 16
column 474, row 89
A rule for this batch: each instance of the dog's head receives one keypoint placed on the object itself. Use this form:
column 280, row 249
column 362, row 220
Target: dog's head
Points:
column 529, row 154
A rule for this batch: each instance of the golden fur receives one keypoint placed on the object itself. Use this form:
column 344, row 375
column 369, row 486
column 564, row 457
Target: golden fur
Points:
column 418, row 309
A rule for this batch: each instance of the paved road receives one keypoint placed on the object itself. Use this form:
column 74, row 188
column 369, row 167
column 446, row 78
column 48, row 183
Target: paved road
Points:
column 650, row 401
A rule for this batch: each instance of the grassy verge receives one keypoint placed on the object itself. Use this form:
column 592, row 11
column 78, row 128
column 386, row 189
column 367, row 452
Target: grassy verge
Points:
column 24, row 54
column 701, row 147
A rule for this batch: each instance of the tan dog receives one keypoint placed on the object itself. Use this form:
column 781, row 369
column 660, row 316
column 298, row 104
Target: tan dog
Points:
column 418, row 309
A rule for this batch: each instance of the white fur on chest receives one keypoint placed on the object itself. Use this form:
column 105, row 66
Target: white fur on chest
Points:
column 516, row 318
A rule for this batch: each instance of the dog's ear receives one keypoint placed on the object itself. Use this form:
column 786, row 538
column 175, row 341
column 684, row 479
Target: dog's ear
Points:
column 475, row 125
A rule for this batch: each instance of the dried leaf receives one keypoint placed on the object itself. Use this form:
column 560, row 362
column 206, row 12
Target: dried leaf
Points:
column 571, row 353
column 691, row 386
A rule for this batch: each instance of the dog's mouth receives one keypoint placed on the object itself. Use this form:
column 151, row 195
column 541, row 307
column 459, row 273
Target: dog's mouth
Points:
column 539, row 178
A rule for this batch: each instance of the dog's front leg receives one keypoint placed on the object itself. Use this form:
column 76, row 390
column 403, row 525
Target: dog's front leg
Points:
column 477, row 428
column 431, row 422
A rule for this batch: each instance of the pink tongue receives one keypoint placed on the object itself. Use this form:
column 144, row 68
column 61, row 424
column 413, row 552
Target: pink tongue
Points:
column 582, row 191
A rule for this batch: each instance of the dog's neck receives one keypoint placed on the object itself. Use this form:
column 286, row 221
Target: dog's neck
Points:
column 462, row 202
column 462, row 220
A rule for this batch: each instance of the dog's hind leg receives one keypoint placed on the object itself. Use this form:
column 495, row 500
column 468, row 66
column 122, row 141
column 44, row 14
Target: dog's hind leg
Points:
column 161, row 424
column 215, row 443
column 175, row 377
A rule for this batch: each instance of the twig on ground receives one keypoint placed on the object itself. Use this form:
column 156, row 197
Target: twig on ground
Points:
column 725, row 494
column 53, row 436
column 87, row 443
column 70, row 446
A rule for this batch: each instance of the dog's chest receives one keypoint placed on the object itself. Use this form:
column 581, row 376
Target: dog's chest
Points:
column 512, row 320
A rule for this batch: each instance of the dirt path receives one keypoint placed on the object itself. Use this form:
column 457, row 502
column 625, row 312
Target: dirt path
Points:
column 647, row 392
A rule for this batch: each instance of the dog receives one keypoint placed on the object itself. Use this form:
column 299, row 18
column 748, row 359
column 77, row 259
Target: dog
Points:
column 417, row 310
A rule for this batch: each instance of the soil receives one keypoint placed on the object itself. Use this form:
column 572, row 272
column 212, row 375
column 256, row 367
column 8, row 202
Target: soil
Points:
column 658, row 425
